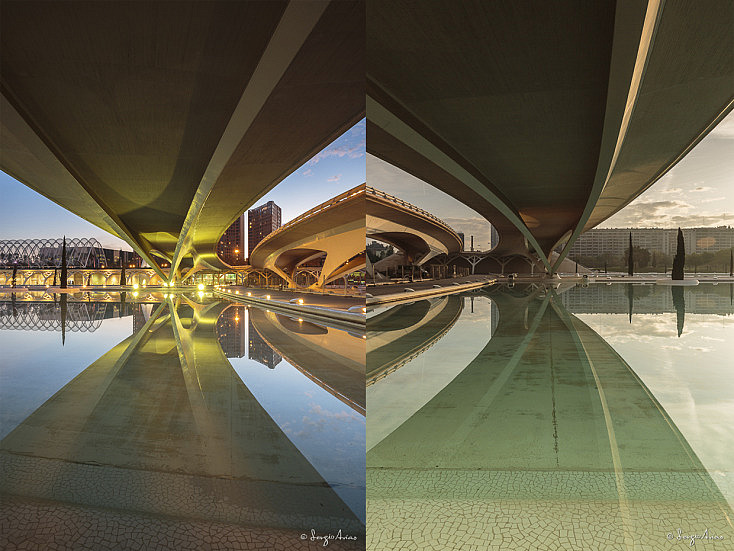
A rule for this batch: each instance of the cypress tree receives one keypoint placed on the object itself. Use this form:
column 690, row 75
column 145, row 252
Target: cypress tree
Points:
column 63, row 318
column 15, row 273
column 55, row 283
column 731, row 262
column 630, row 259
column 679, row 302
column 630, row 299
column 680, row 258
column 123, row 279
column 64, row 275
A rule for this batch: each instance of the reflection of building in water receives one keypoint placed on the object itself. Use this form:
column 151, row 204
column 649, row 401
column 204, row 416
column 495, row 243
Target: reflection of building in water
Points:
column 141, row 315
column 260, row 351
column 231, row 331
column 648, row 299
column 46, row 316
column 494, row 313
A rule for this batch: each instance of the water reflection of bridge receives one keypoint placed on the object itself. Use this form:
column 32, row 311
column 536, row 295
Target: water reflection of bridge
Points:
column 333, row 359
column 546, row 428
column 162, row 424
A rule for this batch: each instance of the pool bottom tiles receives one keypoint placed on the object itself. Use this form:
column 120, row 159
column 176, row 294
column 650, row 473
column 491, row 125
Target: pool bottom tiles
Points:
column 501, row 420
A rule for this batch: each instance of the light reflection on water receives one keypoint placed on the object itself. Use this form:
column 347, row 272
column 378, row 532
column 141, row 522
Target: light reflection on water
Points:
column 690, row 375
column 152, row 381
column 616, row 442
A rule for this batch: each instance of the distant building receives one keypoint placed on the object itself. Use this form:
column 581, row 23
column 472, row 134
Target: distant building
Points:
column 461, row 236
column 115, row 259
column 377, row 251
column 141, row 313
column 262, row 221
column 231, row 247
column 231, row 332
column 614, row 241
column 260, row 351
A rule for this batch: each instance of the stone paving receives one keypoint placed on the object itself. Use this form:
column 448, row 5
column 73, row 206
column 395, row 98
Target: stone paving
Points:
column 36, row 525
column 477, row 510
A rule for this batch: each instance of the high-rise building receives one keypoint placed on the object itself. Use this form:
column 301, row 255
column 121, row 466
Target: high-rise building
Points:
column 260, row 351
column 262, row 220
column 231, row 331
column 231, row 246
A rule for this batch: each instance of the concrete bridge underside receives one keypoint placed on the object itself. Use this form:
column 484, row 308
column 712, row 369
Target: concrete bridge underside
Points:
column 334, row 231
column 545, row 118
column 161, row 122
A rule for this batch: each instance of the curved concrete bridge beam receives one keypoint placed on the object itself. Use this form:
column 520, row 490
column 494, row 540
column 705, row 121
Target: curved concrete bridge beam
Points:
column 545, row 143
column 166, row 131
column 335, row 228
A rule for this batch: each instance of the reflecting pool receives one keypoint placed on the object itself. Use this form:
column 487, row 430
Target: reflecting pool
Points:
column 183, row 409
column 575, row 417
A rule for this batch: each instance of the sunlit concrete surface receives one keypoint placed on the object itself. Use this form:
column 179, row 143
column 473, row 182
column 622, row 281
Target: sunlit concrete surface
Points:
column 544, row 118
column 157, row 432
column 334, row 230
column 161, row 122
column 417, row 234
column 545, row 439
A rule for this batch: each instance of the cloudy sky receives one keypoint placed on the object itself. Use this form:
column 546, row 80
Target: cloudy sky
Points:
column 698, row 191
column 25, row 214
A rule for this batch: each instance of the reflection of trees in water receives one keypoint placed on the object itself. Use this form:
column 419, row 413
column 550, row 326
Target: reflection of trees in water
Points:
column 679, row 302
column 614, row 298
column 64, row 308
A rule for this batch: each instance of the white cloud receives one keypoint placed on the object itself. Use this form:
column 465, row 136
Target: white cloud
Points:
column 349, row 151
column 334, row 179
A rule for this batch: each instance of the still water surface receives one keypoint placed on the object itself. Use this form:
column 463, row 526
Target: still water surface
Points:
column 526, row 417
column 184, row 406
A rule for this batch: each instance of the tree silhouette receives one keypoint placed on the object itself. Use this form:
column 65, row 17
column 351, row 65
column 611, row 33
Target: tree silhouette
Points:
column 731, row 262
column 630, row 259
column 679, row 302
column 55, row 283
column 123, row 279
column 63, row 318
column 15, row 273
column 630, row 299
column 64, row 275
column 680, row 258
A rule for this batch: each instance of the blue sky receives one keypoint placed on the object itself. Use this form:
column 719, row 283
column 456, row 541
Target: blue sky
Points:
column 25, row 214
